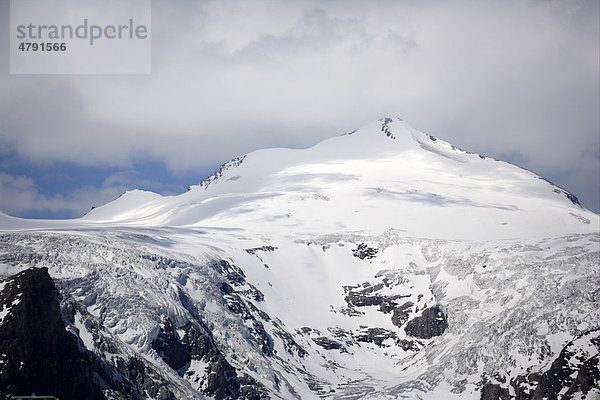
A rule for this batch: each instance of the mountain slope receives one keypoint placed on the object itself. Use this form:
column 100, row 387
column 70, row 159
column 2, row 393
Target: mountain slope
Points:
column 38, row 354
column 381, row 264
column 425, row 186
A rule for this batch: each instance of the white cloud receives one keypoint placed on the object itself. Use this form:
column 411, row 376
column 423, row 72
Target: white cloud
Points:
column 19, row 196
column 500, row 78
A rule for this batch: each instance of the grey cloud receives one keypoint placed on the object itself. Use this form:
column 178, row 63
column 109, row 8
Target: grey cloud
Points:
column 516, row 79
column 19, row 196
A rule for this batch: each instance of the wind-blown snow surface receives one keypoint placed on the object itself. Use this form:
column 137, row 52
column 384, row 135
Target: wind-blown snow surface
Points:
column 308, row 266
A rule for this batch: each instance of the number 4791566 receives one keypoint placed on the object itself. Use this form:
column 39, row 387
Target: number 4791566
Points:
column 25, row 46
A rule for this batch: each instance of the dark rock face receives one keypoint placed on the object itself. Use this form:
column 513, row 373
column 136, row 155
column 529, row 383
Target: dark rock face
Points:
column 378, row 336
column 525, row 385
column 400, row 315
column 367, row 295
column 247, row 311
column 289, row 344
column 386, row 129
column 262, row 337
column 361, row 296
column 254, row 250
column 492, row 391
column 572, row 198
column 235, row 303
column 145, row 381
column 219, row 173
column 562, row 371
column 432, row 322
column 232, row 273
column 575, row 370
column 39, row 355
column 327, row 343
column 363, row 251
column 173, row 349
column 124, row 376
column 251, row 390
column 222, row 380
column 235, row 277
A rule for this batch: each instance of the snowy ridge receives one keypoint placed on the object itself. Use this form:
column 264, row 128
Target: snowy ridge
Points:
column 380, row 264
column 219, row 173
column 343, row 182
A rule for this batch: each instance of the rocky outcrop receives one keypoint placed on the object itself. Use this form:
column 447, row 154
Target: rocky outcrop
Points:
column 363, row 251
column 385, row 127
column 327, row 343
column 400, row 315
column 254, row 250
column 385, row 338
column 222, row 169
column 491, row 391
column 432, row 322
column 572, row 374
column 289, row 344
column 146, row 382
column 575, row 370
column 376, row 335
column 231, row 272
column 368, row 294
column 179, row 347
column 248, row 312
column 38, row 354
column 177, row 351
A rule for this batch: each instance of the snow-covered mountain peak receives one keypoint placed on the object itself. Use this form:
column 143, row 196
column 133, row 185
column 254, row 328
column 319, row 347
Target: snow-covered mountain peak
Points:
column 385, row 175
column 388, row 130
column 390, row 137
column 381, row 132
column 385, row 127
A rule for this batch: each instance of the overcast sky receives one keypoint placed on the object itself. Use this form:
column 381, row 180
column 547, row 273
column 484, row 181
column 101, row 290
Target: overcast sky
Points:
column 515, row 80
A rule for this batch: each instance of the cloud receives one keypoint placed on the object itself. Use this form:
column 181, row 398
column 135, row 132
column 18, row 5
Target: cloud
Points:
column 507, row 79
column 20, row 196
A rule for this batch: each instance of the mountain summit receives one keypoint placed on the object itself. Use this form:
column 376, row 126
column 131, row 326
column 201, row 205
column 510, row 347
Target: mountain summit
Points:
column 381, row 264
column 384, row 175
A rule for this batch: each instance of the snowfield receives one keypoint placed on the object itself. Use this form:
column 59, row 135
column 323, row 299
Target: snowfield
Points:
column 380, row 264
